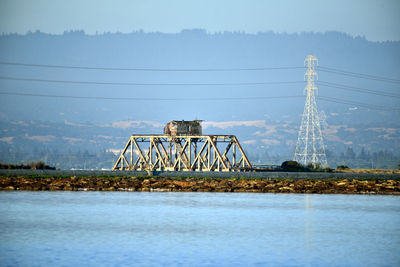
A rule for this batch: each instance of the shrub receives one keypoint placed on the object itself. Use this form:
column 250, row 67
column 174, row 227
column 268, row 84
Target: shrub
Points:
column 292, row 166
column 342, row 167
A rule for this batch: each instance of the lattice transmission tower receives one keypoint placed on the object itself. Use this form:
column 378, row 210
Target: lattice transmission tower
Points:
column 310, row 147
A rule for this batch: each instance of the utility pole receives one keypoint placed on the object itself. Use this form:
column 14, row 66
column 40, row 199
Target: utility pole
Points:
column 310, row 146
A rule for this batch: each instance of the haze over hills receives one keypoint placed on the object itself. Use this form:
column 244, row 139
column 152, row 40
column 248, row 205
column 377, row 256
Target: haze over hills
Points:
column 264, row 116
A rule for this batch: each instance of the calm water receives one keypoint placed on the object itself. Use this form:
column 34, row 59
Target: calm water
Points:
column 198, row 229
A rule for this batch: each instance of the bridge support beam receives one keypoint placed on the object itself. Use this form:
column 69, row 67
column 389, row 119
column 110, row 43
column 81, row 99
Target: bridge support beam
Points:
column 183, row 153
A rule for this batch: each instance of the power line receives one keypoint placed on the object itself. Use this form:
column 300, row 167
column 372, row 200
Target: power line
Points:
column 144, row 84
column 328, row 84
column 358, row 75
column 324, row 98
column 151, row 98
column 353, row 103
column 146, row 69
column 357, row 89
column 320, row 68
column 323, row 83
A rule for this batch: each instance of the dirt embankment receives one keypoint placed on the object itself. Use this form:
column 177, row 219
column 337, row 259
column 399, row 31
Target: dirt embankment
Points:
column 344, row 186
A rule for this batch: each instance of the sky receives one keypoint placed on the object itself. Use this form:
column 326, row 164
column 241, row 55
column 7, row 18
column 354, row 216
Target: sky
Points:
column 376, row 20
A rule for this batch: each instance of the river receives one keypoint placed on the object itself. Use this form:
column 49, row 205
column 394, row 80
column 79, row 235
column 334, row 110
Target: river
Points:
column 197, row 229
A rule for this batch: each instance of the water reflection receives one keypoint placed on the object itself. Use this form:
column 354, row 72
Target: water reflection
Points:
column 308, row 226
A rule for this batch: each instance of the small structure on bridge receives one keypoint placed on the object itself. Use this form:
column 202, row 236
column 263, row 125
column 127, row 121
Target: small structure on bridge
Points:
column 183, row 147
column 175, row 128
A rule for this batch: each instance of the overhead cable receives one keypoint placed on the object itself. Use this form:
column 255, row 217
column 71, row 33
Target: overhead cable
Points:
column 358, row 104
column 151, row 98
column 144, row 84
column 145, row 69
column 323, row 83
column 357, row 89
column 358, row 75
column 320, row 68
column 324, row 98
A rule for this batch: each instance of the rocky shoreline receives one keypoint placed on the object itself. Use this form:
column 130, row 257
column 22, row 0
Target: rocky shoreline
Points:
column 162, row 184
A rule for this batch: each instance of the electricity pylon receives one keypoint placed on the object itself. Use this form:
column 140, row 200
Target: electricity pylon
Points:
column 310, row 146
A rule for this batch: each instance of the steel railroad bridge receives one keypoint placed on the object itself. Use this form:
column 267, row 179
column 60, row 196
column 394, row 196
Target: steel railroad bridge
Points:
column 183, row 147
column 183, row 153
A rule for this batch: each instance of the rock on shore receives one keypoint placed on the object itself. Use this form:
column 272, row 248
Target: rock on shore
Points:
column 344, row 186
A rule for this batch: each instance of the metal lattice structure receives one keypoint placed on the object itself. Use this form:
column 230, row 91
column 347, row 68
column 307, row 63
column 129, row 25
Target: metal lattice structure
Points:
column 183, row 153
column 310, row 147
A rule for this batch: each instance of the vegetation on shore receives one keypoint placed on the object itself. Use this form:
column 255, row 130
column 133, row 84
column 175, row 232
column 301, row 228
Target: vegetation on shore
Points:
column 293, row 166
column 40, row 165
column 287, row 166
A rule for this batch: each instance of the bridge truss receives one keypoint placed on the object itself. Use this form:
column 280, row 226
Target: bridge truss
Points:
column 183, row 153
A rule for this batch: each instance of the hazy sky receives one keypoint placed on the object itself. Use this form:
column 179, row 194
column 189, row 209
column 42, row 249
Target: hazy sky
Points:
column 377, row 20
